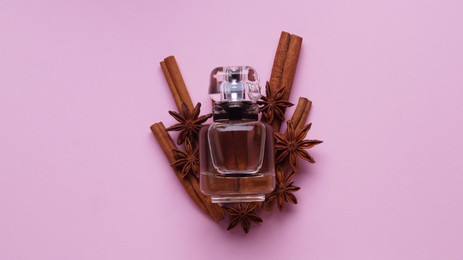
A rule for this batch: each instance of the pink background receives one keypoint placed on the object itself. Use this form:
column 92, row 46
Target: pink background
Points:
column 81, row 176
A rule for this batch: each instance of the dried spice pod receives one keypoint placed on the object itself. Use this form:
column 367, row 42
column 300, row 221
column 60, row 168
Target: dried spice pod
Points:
column 188, row 161
column 292, row 144
column 272, row 105
column 243, row 214
column 189, row 123
column 284, row 190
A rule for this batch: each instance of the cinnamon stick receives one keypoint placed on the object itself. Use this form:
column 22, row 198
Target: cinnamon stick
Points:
column 301, row 113
column 176, row 83
column 279, row 62
column 173, row 89
column 189, row 183
column 284, row 67
column 289, row 70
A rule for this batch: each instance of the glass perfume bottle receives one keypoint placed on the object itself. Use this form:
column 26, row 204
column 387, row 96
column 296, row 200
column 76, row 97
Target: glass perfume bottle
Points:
column 236, row 151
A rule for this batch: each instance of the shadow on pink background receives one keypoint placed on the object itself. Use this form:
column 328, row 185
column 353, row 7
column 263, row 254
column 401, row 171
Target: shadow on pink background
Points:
column 81, row 176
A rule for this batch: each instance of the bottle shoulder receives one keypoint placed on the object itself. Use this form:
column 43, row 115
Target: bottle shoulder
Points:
column 250, row 122
column 233, row 125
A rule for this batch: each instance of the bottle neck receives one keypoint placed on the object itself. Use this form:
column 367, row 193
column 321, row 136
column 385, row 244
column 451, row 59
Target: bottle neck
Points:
column 235, row 111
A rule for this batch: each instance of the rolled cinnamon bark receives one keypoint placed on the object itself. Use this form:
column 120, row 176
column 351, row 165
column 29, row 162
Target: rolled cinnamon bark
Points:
column 171, row 84
column 176, row 84
column 284, row 67
column 301, row 113
column 289, row 70
column 279, row 62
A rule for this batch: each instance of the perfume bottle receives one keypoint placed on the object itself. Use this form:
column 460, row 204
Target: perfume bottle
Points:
column 236, row 151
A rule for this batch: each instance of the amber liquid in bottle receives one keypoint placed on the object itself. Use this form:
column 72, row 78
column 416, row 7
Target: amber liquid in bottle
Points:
column 236, row 161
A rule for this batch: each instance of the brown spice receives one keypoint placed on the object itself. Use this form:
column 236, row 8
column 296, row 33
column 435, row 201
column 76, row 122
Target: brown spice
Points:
column 243, row 214
column 284, row 67
column 292, row 145
column 284, row 190
column 188, row 161
column 273, row 105
column 279, row 61
column 176, row 84
column 301, row 113
column 189, row 123
column 298, row 119
column 289, row 69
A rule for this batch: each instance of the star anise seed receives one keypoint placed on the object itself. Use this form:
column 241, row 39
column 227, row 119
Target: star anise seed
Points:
column 273, row 104
column 188, row 160
column 243, row 214
column 292, row 145
column 284, row 190
column 189, row 122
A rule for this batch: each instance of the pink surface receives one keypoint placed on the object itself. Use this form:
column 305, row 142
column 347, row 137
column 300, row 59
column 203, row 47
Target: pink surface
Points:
column 81, row 176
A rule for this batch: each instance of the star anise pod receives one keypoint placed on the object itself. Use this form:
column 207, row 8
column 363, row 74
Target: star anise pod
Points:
column 243, row 213
column 273, row 104
column 292, row 145
column 284, row 190
column 187, row 160
column 189, row 122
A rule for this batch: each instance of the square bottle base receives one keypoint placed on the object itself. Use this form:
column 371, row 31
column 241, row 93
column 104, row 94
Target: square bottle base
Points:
column 238, row 199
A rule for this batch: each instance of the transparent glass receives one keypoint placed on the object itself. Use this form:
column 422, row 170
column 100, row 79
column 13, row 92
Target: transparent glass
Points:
column 234, row 83
column 236, row 161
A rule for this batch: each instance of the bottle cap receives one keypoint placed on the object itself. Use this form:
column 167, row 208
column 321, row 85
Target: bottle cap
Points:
column 234, row 84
